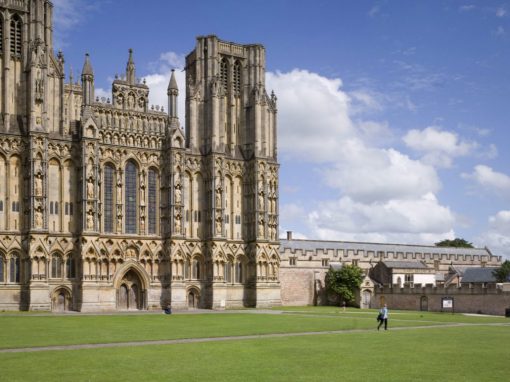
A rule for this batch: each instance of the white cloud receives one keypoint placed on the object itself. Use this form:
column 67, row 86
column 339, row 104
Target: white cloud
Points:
column 467, row 7
column 497, row 237
column 490, row 180
column 383, row 195
column 311, row 107
column 500, row 12
column 439, row 147
column 500, row 31
column 421, row 220
column 68, row 14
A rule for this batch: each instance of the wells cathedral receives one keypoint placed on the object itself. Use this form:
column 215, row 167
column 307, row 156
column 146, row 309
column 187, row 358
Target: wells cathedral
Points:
column 108, row 204
column 112, row 204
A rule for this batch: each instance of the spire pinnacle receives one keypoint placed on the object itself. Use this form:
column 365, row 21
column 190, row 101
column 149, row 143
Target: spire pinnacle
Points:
column 172, row 85
column 87, row 67
column 130, row 68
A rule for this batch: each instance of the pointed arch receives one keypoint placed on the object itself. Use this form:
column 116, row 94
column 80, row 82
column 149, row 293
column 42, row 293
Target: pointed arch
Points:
column 16, row 35
column 130, row 196
column 109, row 182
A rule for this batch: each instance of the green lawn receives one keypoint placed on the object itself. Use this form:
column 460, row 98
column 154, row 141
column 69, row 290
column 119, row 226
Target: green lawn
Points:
column 467, row 353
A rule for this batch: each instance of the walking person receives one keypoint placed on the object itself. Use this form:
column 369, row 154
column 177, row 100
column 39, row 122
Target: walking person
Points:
column 383, row 317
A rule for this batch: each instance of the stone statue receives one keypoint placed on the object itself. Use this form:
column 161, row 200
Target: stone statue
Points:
column 90, row 189
column 90, row 221
column 218, row 226
column 38, row 185
column 218, row 197
column 177, row 223
column 177, row 195
column 38, row 218
column 261, row 227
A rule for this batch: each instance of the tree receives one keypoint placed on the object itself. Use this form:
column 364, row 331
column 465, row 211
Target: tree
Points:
column 344, row 281
column 457, row 242
column 502, row 274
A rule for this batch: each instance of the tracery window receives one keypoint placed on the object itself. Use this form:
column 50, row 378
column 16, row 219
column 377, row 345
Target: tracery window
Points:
column 237, row 77
column 152, row 201
column 224, row 74
column 16, row 26
column 56, row 267
column 70, row 268
column 131, row 202
column 14, row 269
column 109, row 179
column 239, row 272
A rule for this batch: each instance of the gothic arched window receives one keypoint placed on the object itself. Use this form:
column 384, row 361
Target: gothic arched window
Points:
column 153, row 179
column 16, row 26
column 56, row 267
column 14, row 269
column 108, row 208
column 131, row 197
column 70, row 268
column 237, row 77
column 2, row 269
column 224, row 74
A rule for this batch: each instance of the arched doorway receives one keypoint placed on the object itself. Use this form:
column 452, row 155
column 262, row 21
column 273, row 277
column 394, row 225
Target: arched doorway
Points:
column 382, row 301
column 193, row 298
column 366, row 298
column 130, row 292
column 424, row 303
column 61, row 300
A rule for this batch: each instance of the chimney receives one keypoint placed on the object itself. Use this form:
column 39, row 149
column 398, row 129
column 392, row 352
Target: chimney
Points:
column 289, row 235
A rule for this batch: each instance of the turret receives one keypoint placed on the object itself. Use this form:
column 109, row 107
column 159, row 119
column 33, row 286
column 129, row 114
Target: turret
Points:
column 130, row 69
column 172, row 92
column 87, row 81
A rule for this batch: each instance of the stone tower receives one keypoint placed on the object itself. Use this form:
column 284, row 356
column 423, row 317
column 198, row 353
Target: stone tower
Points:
column 109, row 204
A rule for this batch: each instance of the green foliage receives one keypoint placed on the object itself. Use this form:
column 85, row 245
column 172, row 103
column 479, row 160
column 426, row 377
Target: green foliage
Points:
column 502, row 274
column 344, row 281
column 457, row 242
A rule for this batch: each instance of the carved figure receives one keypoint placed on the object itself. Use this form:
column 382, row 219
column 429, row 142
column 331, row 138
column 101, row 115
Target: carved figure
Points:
column 90, row 221
column 90, row 189
column 38, row 218
column 38, row 185
column 218, row 197
column 177, row 195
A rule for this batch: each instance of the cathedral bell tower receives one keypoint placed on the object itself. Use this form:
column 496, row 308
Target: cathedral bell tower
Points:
column 29, row 69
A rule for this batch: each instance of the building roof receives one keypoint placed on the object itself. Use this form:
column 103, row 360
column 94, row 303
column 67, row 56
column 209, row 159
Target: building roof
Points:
column 314, row 245
column 479, row 275
column 405, row 264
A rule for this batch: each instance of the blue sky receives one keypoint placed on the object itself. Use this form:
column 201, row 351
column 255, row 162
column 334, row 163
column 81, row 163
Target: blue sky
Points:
column 393, row 115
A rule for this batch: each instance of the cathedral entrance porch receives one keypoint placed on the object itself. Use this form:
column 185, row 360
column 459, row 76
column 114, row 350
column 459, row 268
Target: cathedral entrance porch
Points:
column 131, row 293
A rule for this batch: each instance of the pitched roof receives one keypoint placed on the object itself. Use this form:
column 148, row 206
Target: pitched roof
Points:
column 479, row 275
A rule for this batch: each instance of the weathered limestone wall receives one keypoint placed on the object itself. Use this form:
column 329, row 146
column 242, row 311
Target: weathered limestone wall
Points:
column 297, row 286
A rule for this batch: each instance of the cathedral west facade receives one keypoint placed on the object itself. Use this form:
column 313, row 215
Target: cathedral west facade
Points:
column 110, row 204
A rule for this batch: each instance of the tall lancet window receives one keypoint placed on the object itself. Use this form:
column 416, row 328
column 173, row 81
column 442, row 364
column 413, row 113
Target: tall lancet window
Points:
column 16, row 26
column 109, row 185
column 237, row 77
column 131, row 199
column 224, row 74
column 1, row 34
column 153, row 179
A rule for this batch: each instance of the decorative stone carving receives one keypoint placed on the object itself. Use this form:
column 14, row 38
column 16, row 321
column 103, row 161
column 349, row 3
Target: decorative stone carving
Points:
column 38, row 185
column 90, row 188
column 38, row 218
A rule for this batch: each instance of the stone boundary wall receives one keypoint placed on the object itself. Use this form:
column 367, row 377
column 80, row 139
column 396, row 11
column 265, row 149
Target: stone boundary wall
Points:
column 477, row 299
